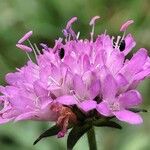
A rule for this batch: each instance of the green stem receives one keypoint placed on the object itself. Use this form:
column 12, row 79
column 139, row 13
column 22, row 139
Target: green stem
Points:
column 92, row 139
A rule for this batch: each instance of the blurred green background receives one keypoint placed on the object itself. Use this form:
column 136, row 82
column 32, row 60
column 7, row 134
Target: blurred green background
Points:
column 47, row 19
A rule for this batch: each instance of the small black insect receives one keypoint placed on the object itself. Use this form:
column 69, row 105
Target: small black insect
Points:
column 113, row 44
column 122, row 45
column 98, row 99
column 61, row 53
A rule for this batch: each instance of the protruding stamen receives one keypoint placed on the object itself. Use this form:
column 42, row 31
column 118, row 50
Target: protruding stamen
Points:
column 70, row 22
column 25, row 37
column 78, row 34
column 34, row 51
column 58, row 44
column 92, row 23
column 112, row 40
column 44, row 46
column 105, row 32
column 24, row 47
column 117, row 42
column 68, row 30
column 36, row 48
column 28, row 56
column 126, row 25
column 93, row 20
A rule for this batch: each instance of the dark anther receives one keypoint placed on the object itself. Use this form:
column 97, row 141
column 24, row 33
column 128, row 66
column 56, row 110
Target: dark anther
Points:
column 61, row 53
column 122, row 45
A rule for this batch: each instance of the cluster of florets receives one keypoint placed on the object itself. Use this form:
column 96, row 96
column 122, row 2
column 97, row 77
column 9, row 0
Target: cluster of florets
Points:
column 91, row 75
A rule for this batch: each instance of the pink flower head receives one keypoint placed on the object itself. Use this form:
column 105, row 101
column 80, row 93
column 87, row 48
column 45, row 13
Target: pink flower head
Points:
column 92, row 76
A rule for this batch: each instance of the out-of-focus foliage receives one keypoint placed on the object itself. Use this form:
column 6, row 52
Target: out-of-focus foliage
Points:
column 47, row 19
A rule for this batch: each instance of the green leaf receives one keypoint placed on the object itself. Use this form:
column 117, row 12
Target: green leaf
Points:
column 136, row 110
column 75, row 134
column 50, row 132
column 112, row 124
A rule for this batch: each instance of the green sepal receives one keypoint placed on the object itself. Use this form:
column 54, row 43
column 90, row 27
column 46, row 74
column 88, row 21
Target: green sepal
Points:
column 50, row 132
column 136, row 110
column 107, row 123
column 76, row 133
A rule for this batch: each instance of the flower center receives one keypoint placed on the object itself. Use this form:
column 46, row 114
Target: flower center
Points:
column 114, row 106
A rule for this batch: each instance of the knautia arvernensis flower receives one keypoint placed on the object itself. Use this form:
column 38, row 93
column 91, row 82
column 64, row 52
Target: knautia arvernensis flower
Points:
column 77, row 82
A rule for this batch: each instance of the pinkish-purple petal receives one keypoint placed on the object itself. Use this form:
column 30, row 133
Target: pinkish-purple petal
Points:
column 26, row 116
column 135, row 64
column 79, row 86
column 86, row 63
column 3, row 120
column 13, row 78
column 94, row 89
column 116, row 62
column 45, row 113
column 104, row 42
column 39, row 89
column 128, row 116
column 129, row 44
column 130, row 99
column 87, row 105
column 67, row 100
column 109, row 88
column 121, row 80
column 103, row 109
column 139, row 77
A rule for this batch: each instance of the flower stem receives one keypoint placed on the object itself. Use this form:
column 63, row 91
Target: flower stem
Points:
column 92, row 139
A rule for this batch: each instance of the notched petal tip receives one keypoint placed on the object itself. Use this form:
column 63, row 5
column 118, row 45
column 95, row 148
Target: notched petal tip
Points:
column 70, row 22
column 25, row 37
column 24, row 47
column 129, row 117
column 92, row 21
column 126, row 25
